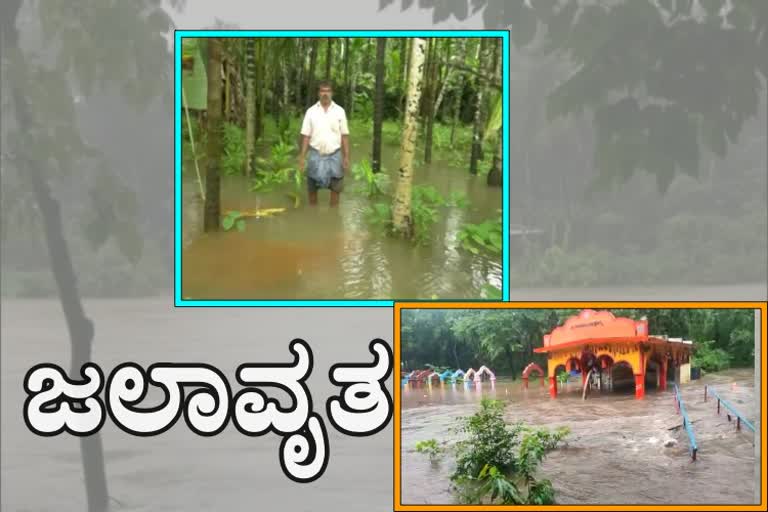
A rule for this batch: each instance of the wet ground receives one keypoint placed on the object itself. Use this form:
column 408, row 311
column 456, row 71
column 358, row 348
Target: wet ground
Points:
column 319, row 252
column 620, row 450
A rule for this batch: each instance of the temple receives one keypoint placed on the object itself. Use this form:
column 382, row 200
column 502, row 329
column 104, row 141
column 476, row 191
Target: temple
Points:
column 612, row 350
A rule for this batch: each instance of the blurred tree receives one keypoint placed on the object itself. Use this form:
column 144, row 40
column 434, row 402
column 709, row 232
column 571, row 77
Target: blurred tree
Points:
column 635, row 63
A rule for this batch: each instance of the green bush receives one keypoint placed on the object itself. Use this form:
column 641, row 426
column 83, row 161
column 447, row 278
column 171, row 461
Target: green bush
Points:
column 496, row 463
column 233, row 141
column 370, row 183
column 710, row 359
column 486, row 236
column 424, row 204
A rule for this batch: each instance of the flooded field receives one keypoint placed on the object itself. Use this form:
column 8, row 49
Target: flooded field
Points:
column 319, row 252
column 620, row 450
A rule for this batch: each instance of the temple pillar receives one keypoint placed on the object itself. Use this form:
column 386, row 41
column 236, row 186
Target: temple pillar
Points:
column 525, row 382
column 553, row 387
column 663, row 376
column 639, row 386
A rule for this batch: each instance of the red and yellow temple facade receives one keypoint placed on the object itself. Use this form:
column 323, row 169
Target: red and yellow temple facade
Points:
column 601, row 341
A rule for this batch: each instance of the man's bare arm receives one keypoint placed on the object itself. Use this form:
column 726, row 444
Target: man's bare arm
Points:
column 303, row 151
column 345, row 150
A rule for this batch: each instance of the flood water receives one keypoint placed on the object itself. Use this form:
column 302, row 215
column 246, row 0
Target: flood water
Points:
column 319, row 252
column 616, row 451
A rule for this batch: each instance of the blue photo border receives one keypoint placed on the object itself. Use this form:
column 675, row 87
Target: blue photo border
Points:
column 179, row 34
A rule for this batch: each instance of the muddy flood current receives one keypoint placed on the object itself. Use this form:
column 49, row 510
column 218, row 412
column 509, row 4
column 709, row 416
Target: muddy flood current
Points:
column 320, row 252
column 620, row 450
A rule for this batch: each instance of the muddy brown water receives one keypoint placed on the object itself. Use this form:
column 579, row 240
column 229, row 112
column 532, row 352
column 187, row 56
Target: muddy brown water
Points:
column 616, row 451
column 319, row 252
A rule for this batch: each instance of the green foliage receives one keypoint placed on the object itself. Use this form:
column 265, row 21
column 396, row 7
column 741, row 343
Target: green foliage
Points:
column 495, row 119
column 562, row 377
column 487, row 236
column 233, row 219
column 424, row 210
column 278, row 170
column 370, row 183
column 491, row 292
column 457, row 199
column 380, row 215
column 431, row 448
column 504, row 339
column 498, row 462
column 233, row 145
column 710, row 359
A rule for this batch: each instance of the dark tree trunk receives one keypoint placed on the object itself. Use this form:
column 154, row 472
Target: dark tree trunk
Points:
column 212, row 206
column 79, row 326
column 259, row 88
column 378, row 104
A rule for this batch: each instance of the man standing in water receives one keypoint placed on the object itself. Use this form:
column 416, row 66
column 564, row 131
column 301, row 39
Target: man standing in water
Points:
column 326, row 135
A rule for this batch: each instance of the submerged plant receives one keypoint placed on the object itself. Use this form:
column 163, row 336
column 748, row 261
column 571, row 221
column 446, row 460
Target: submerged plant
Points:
column 491, row 292
column 372, row 184
column 424, row 209
column 430, row 448
column 233, row 140
column 486, row 236
column 496, row 463
column 278, row 170
column 234, row 219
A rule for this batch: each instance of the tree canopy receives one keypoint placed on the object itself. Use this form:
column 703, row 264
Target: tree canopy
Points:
column 504, row 339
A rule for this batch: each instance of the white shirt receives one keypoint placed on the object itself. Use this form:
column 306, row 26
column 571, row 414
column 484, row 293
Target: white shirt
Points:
column 325, row 127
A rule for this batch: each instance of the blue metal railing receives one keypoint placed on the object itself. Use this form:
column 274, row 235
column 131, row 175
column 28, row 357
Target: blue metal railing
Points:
column 686, row 422
column 739, row 418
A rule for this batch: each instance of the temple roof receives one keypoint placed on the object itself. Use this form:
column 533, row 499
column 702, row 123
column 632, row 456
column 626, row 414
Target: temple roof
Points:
column 591, row 327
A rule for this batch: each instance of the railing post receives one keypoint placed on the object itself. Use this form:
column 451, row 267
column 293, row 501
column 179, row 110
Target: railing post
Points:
column 718, row 406
column 693, row 454
column 738, row 423
column 705, row 392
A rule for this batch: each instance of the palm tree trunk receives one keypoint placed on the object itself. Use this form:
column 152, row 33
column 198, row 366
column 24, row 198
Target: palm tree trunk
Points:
column 300, row 49
column 311, row 92
column 378, row 103
column 457, row 107
column 430, row 103
column 444, row 75
column 353, row 85
column 262, row 83
column 328, row 58
column 477, row 131
column 80, row 327
column 404, row 86
column 212, row 205
column 250, row 106
column 347, row 86
column 401, row 209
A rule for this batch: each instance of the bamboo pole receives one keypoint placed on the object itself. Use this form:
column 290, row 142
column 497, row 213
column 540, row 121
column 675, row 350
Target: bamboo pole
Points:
column 192, row 141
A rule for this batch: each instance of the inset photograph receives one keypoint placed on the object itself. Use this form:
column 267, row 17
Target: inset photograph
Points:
column 353, row 167
column 637, row 404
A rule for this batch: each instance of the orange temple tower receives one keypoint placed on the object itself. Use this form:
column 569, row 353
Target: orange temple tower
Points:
column 599, row 340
